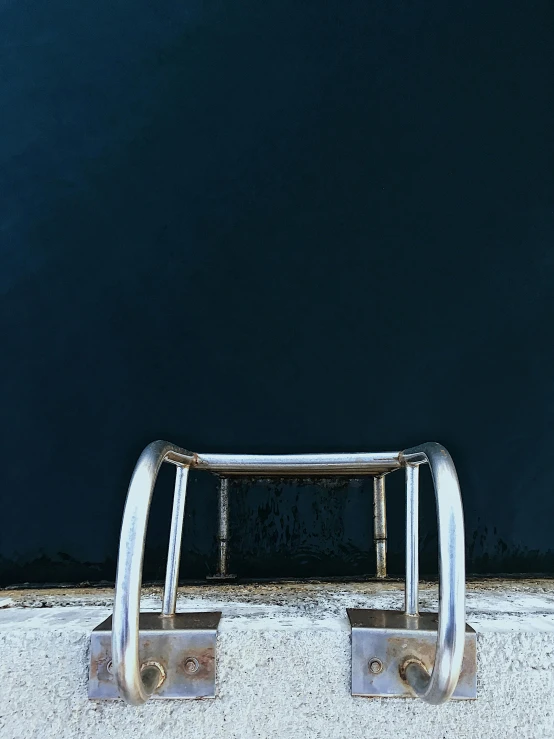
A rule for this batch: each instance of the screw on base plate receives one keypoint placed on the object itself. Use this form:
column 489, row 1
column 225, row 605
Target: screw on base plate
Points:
column 191, row 665
column 375, row 666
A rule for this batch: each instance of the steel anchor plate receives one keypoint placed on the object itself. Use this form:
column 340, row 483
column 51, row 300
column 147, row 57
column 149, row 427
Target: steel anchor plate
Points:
column 184, row 645
column 382, row 641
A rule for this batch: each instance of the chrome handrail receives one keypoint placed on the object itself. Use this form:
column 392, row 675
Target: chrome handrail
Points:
column 126, row 665
column 437, row 687
column 136, row 687
column 360, row 463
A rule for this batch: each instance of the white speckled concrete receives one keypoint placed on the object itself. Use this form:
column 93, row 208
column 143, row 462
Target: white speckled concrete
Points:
column 283, row 667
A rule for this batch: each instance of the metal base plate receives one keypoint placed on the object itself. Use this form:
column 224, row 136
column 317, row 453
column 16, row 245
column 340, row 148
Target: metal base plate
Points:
column 221, row 578
column 184, row 645
column 385, row 639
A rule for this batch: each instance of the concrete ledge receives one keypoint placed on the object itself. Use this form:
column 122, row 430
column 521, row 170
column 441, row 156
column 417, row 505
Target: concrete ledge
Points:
column 283, row 666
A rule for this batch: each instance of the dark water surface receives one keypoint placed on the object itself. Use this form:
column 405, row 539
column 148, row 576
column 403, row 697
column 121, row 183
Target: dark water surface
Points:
column 274, row 227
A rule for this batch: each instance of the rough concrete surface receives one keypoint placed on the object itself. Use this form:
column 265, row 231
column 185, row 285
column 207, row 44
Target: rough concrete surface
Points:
column 283, row 666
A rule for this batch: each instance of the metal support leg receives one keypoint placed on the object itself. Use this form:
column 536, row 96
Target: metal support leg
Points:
column 380, row 524
column 223, row 533
column 223, row 526
column 175, row 537
column 412, row 552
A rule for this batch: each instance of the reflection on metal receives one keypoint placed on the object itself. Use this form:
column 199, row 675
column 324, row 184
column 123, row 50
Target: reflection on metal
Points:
column 135, row 656
column 168, row 648
column 412, row 540
column 175, row 537
column 298, row 464
column 422, row 655
column 223, row 534
column 380, row 524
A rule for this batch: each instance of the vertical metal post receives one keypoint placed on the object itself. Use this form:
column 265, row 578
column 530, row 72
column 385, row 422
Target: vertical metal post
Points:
column 224, row 526
column 223, row 533
column 175, row 537
column 380, row 524
column 412, row 536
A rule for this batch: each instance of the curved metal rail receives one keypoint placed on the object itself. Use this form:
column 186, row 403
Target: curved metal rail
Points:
column 438, row 687
column 126, row 665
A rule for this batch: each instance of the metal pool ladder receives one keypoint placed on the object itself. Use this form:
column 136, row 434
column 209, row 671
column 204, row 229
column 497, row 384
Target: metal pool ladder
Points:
column 136, row 655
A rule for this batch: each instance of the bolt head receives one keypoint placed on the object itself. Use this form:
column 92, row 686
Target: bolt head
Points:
column 191, row 665
column 375, row 666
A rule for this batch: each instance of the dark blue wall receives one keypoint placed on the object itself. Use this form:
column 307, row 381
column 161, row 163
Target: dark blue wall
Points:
column 274, row 226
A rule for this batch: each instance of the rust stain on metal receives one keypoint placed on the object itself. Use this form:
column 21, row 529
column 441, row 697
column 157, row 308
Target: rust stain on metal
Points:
column 424, row 650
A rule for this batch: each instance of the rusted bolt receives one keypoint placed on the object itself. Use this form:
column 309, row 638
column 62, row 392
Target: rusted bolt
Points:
column 412, row 661
column 191, row 665
column 375, row 665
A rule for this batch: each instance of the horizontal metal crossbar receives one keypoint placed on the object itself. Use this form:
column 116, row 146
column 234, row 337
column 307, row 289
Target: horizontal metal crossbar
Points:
column 359, row 463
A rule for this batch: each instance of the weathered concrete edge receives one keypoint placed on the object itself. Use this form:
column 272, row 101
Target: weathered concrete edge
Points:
column 283, row 669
